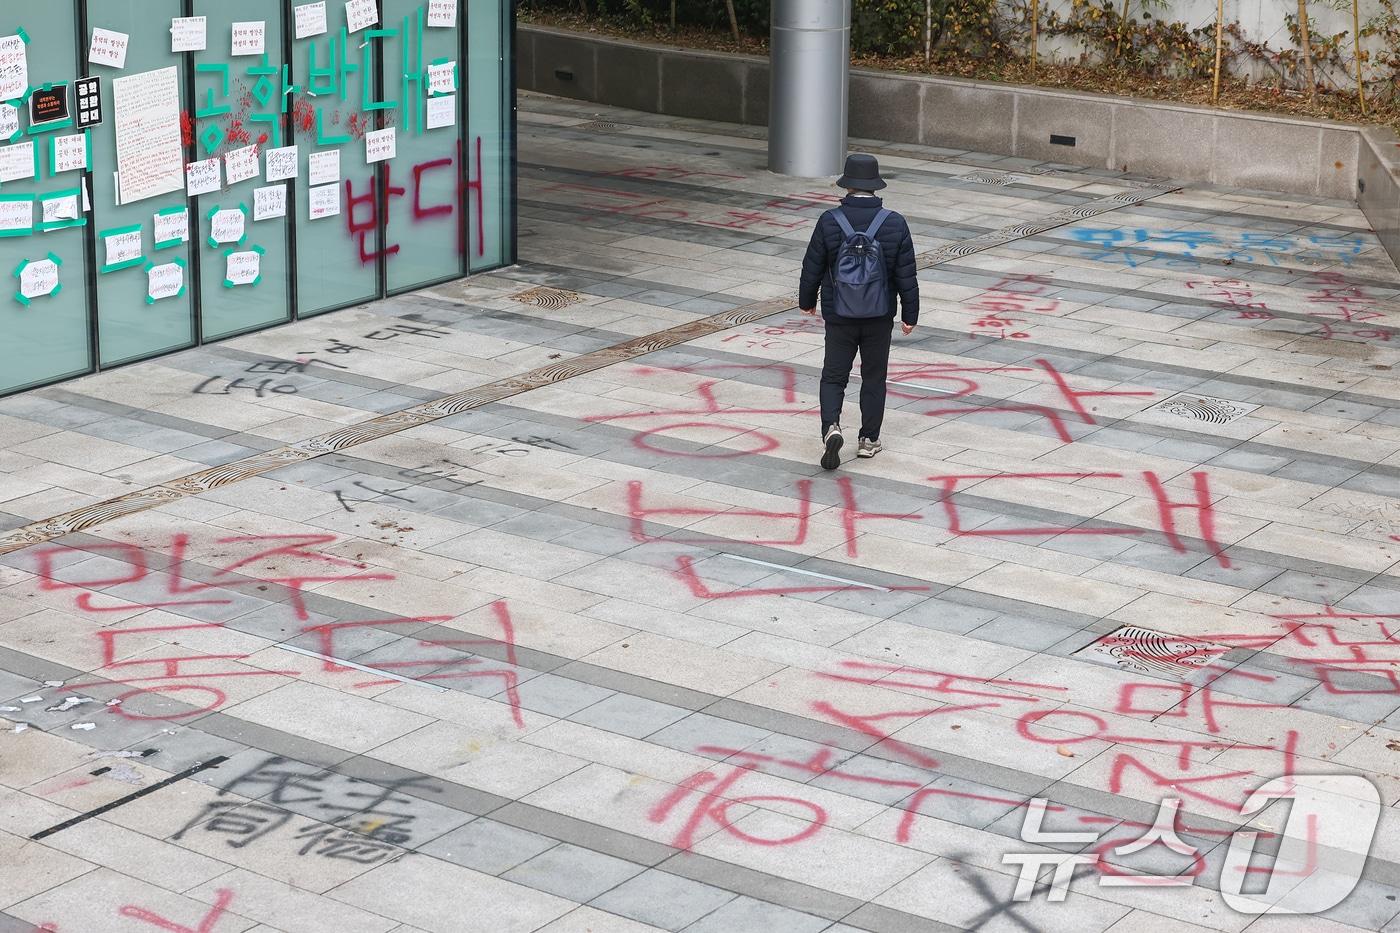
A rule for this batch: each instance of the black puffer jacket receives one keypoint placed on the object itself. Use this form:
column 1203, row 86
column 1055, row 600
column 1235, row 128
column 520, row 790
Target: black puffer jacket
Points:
column 895, row 243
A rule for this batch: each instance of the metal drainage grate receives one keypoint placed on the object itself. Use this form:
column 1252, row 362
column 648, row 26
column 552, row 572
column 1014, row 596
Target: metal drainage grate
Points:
column 1145, row 651
column 602, row 126
column 1001, row 179
column 1203, row 408
column 546, row 297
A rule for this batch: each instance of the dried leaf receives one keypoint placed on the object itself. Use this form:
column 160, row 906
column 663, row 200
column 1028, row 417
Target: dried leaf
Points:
column 1064, row 751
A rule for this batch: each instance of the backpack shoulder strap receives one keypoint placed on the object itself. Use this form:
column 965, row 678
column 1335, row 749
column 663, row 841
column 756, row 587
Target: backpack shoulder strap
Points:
column 874, row 227
column 846, row 227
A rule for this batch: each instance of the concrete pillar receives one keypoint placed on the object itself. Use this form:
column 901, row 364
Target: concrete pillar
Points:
column 808, row 96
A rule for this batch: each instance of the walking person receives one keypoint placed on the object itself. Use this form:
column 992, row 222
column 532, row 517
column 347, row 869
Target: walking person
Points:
column 861, row 257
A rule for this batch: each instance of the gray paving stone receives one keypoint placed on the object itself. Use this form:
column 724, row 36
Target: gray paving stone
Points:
column 559, row 696
column 1310, row 587
column 946, row 616
column 706, row 735
column 1022, row 632
column 748, row 915
column 488, row 846
column 569, row 871
column 629, row 715
column 663, row 900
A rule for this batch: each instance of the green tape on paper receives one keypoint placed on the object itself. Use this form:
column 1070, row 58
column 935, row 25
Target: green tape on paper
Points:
column 105, row 235
column 79, row 221
column 16, row 198
column 41, row 291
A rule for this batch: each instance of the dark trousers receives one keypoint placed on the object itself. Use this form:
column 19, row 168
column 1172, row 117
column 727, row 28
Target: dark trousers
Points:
column 872, row 339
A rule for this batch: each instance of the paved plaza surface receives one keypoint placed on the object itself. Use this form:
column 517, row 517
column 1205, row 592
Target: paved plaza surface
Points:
column 520, row 603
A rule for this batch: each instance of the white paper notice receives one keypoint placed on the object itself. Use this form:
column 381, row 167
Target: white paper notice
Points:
column 57, row 210
column 243, row 268
column 442, row 79
column 442, row 13
column 226, row 226
column 361, row 14
column 17, row 161
column 14, row 68
column 380, row 145
column 108, row 48
column 311, row 19
column 187, row 34
column 172, row 228
column 70, row 153
column 269, row 202
column 442, row 111
column 203, row 177
column 165, row 281
column 9, row 121
column 38, row 278
column 281, row 163
column 248, row 38
column 324, row 167
column 325, row 201
column 150, row 155
column 16, row 215
column 123, row 247
column 241, row 164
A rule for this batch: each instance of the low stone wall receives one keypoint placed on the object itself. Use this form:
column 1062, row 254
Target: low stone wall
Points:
column 1188, row 143
column 1378, row 185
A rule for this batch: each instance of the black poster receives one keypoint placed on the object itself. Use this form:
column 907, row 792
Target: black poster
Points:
column 89, row 102
column 48, row 104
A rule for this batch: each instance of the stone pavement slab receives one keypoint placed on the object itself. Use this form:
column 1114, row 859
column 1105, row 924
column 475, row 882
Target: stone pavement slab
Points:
column 520, row 603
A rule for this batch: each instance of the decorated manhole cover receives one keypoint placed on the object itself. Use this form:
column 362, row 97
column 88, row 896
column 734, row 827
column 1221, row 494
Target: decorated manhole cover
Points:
column 601, row 126
column 1146, row 651
column 546, row 297
column 1203, row 408
column 990, row 178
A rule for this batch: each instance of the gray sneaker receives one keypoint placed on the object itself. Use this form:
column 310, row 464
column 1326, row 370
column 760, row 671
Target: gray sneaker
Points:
column 833, row 439
column 868, row 448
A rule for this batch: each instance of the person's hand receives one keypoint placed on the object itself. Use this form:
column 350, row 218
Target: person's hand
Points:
column 811, row 310
column 907, row 328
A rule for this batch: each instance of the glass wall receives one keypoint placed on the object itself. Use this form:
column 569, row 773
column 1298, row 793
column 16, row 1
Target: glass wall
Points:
column 175, row 171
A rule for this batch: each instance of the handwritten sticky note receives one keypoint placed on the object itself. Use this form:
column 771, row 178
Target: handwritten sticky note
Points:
column 203, row 177
column 380, row 145
column 9, row 121
column 108, row 48
column 361, row 14
column 442, row 13
column 248, row 38
column 310, row 19
column 70, row 153
column 16, row 216
column 324, row 167
column 269, row 202
column 165, row 281
column 241, row 164
column 324, row 201
column 441, row 111
column 123, row 247
column 14, row 68
column 17, row 161
column 187, row 34
column 172, row 228
column 38, row 278
column 281, row 163
column 57, row 210
column 442, row 79
column 243, row 268
column 227, row 225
